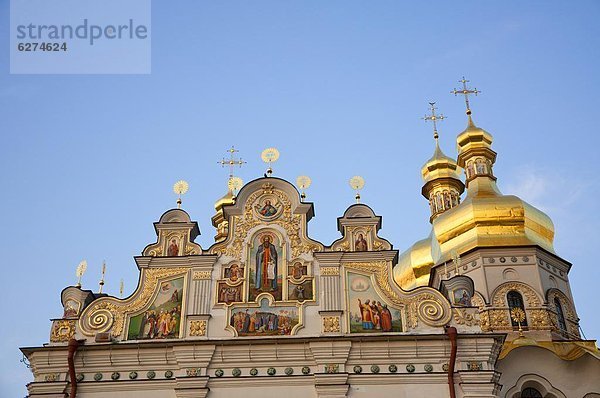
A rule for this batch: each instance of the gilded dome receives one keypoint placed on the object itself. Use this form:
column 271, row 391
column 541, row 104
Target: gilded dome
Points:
column 227, row 199
column 440, row 166
column 485, row 218
column 414, row 265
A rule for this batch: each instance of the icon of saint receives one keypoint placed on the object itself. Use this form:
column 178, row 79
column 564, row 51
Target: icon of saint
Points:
column 266, row 265
column 361, row 244
column 268, row 209
column 173, row 249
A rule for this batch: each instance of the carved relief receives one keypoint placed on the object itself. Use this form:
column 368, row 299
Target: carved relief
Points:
column 331, row 324
column 62, row 330
column 198, row 328
column 530, row 296
column 462, row 316
column 199, row 275
column 330, row 271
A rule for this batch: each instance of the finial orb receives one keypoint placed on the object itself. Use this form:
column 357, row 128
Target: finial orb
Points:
column 181, row 187
column 235, row 183
column 303, row 182
column 270, row 155
column 357, row 183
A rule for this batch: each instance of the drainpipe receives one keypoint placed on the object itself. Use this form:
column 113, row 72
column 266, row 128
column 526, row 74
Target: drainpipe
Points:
column 73, row 346
column 451, row 332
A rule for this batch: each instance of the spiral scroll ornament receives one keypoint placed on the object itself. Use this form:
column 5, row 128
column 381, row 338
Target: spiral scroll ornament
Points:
column 99, row 321
column 432, row 313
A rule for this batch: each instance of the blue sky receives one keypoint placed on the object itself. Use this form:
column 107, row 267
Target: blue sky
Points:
column 88, row 161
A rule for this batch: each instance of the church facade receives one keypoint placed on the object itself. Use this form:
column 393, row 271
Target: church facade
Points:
column 482, row 307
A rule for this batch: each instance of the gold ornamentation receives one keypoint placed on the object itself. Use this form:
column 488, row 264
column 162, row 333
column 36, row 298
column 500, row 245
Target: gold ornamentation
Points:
column 198, row 328
column 474, row 365
column 191, row 250
column 292, row 223
column 62, row 330
column 332, row 368
column 477, row 301
column 331, row 324
column 193, row 372
column 498, row 319
column 539, row 319
column 109, row 312
column 499, row 296
column 330, row 271
column 464, row 317
column 377, row 245
column 52, row 377
column 425, row 304
column 197, row 275
column 484, row 317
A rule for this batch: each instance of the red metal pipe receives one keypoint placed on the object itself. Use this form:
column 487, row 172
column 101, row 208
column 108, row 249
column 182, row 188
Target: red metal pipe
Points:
column 73, row 346
column 452, row 333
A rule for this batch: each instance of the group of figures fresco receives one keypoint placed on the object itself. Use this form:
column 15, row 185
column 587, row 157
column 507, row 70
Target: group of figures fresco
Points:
column 265, row 320
column 368, row 313
column 162, row 319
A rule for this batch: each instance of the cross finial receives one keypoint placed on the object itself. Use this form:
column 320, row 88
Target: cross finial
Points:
column 434, row 118
column 101, row 283
column 232, row 161
column 465, row 91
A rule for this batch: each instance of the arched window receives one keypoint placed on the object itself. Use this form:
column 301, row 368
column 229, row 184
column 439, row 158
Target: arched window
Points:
column 560, row 315
column 531, row 392
column 515, row 300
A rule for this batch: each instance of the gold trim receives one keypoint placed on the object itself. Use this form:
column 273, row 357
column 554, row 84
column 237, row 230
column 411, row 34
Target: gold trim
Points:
column 62, row 330
column 199, row 275
column 330, row 271
column 198, row 328
column 331, row 324
column 108, row 313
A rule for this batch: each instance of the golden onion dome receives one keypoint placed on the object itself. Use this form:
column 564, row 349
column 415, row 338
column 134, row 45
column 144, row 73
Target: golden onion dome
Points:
column 440, row 166
column 485, row 218
column 414, row 265
column 227, row 199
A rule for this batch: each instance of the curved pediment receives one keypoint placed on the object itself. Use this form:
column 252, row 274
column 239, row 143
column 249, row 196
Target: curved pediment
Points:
column 267, row 202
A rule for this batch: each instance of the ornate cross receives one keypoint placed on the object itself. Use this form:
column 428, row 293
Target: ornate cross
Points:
column 434, row 118
column 232, row 161
column 465, row 91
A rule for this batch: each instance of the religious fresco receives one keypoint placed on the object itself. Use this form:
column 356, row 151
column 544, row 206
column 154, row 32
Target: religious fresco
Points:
column 368, row 312
column 229, row 294
column 360, row 243
column 162, row 319
column 265, row 320
column 300, row 291
column 71, row 308
column 234, row 272
column 297, row 270
column 268, row 207
column 266, row 269
column 461, row 297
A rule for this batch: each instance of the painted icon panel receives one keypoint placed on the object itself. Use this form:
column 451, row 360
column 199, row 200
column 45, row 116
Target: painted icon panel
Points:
column 368, row 312
column 162, row 320
column 300, row 291
column 266, row 270
column 265, row 320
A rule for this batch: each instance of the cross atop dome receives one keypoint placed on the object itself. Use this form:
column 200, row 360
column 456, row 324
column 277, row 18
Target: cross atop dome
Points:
column 434, row 118
column 465, row 91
